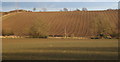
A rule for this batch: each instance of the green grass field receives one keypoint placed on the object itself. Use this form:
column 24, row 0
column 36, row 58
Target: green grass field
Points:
column 59, row 49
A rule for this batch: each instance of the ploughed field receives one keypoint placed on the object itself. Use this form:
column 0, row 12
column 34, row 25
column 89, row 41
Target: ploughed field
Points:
column 77, row 23
column 59, row 49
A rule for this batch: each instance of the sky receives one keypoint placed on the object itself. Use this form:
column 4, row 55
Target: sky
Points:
column 57, row 6
column 60, row 0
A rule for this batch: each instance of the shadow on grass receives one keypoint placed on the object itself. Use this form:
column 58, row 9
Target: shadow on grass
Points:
column 63, row 55
column 100, row 49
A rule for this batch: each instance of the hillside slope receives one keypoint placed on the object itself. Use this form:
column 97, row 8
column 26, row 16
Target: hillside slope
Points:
column 77, row 23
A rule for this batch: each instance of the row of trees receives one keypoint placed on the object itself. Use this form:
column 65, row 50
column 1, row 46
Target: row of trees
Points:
column 64, row 9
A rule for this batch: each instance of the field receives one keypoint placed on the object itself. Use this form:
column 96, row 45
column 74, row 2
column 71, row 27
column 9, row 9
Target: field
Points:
column 59, row 49
column 77, row 23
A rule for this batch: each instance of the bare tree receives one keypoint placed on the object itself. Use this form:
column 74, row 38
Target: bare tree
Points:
column 77, row 9
column 84, row 9
column 65, row 9
column 109, row 9
column 34, row 9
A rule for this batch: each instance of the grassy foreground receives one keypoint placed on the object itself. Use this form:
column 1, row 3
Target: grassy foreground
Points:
column 59, row 49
